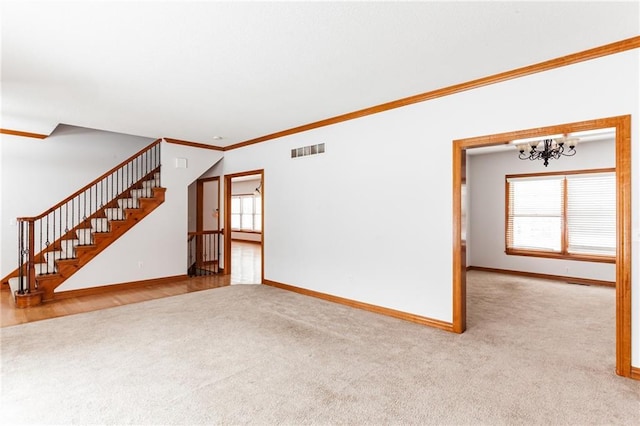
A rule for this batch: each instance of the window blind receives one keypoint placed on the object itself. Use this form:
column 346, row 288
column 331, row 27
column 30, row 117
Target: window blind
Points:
column 591, row 214
column 534, row 219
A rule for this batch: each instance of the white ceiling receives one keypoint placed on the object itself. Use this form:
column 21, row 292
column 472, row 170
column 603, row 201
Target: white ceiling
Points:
column 194, row 70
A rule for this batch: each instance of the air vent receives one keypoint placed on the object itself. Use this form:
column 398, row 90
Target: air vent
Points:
column 307, row 150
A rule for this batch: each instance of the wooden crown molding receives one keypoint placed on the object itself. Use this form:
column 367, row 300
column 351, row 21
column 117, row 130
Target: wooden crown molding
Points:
column 23, row 134
column 585, row 55
column 194, row 144
column 607, row 49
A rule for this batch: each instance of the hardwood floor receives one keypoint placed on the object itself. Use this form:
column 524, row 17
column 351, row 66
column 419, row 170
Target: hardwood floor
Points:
column 245, row 261
column 10, row 315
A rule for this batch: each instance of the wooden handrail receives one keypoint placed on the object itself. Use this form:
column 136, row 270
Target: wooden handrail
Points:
column 95, row 181
column 194, row 233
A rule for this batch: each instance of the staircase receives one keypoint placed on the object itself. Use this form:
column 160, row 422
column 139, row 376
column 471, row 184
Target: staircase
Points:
column 67, row 242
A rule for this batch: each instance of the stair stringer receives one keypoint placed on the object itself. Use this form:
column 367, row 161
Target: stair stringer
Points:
column 101, row 240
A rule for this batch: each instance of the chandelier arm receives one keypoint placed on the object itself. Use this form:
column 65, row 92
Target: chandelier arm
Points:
column 547, row 149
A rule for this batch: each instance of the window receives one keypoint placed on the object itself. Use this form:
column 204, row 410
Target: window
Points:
column 570, row 215
column 246, row 213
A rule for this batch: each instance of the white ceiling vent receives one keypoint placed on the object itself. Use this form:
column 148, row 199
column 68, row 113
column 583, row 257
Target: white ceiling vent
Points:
column 307, row 150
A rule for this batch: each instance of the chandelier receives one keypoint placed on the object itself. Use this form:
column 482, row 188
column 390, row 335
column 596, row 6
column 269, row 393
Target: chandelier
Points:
column 547, row 149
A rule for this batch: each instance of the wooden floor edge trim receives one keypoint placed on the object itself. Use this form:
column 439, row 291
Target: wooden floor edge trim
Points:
column 116, row 287
column 194, row 144
column 570, row 280
column 23, row 134
column 635, row 373
column 442, row 325
column 585, row 55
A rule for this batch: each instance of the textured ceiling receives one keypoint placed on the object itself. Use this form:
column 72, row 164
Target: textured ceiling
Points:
column 241, row 70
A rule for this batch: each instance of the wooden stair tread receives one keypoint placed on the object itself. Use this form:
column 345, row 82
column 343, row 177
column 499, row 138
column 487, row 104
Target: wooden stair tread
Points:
column 70, row 260
column 44, row 277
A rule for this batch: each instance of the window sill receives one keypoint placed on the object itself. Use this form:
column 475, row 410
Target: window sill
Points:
column 564, row 256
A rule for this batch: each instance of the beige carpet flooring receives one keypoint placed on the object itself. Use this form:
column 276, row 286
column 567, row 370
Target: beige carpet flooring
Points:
column 536, row 352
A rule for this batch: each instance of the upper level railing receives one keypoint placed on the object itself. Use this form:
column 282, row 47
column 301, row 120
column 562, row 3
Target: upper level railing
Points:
column 204, row 252
column 40, row 238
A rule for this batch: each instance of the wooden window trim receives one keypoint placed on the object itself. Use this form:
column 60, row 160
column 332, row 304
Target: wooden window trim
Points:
column 563, row 254
column 565, row 173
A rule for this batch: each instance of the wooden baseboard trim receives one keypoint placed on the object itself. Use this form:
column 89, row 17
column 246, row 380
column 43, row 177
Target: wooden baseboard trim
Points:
column 442, row 325
column 116, row 287
column 570, row 280
column 635, row 373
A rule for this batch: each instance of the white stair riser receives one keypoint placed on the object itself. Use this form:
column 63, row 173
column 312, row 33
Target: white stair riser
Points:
column 153, row 183
column 100, row 225
column 52, row 256
column 142, row 193
column 68, row 247
column 84, row 236
column 44, row 268
column 128, row 203
column 114, row 214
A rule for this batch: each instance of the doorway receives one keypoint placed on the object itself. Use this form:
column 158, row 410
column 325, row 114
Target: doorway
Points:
column 244, row 227
column 622, row 125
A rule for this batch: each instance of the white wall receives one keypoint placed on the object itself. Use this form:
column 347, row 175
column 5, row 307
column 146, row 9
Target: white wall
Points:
column 38, row 173
column 354, row 227
column 244, row 187
column 486, row 238
column 192, row 201
column 159, row 241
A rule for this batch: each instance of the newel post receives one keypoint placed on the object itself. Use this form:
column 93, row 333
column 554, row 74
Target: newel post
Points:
column 31, row 268
column 27, row 295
